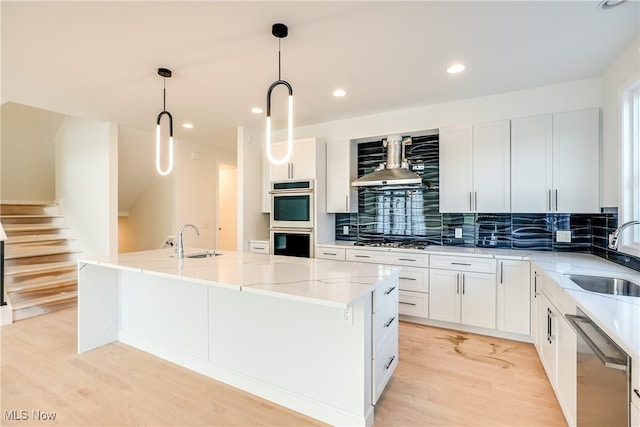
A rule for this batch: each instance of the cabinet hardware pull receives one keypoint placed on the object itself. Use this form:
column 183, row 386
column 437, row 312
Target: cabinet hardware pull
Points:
column 388, row 291
column 535, row 284
column 556, row 200
column 406, row 278
column 388, row 365
column 635, row 390
column 406, row 303
column 362, row 256
column 461, row 263
column 329, row 253
column 476, row 200
column 470, row 201
column 501, row 270
column 407, row 259
column 389, row 322
column 457, row 283
column 549, row 201
column 346, row 203
column 462, row 283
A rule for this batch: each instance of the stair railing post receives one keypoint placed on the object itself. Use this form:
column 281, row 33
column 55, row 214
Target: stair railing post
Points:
column 3, row 237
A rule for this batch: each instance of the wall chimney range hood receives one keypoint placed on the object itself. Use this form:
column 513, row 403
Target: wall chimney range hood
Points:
column 395, row 171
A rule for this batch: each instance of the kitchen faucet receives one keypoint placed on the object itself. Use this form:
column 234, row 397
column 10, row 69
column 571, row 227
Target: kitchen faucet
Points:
column 613, row 237
column 181, row 242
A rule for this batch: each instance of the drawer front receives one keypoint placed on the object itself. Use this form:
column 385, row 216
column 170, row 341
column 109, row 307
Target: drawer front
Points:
column 385, row 361
column 549, row 287
column 413, row 304
column 383, row 256
column 414, row 279
column 259, row 247
column 385, row 321
column 385, row 293
column 635, row 382
column 337, row 254
column 478, row 265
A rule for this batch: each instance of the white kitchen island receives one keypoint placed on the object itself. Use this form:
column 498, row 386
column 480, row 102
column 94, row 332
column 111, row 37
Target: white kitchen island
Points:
column 317, row 336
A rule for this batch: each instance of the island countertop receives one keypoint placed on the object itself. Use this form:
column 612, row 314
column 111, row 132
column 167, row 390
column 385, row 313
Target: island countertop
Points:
column 325, row 282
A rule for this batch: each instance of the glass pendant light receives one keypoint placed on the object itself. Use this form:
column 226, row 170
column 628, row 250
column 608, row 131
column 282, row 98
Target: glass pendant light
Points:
column 164, row 73
column 280, row 31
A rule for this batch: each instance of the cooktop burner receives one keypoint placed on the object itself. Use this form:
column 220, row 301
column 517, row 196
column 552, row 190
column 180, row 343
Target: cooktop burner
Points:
column 390, row 244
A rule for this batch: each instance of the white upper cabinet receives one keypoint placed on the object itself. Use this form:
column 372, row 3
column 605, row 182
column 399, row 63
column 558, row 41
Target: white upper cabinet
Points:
column 475, row 168
column 341, row 171
column 492, row 167
column 556, row 163
column 301, row 164
column 456, row 173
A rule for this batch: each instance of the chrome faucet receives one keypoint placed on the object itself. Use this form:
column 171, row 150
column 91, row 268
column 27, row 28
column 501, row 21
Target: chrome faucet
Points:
column 613, row 237
column 181, row 242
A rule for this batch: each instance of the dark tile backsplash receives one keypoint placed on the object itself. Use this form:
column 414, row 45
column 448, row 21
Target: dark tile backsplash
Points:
column 414, row 215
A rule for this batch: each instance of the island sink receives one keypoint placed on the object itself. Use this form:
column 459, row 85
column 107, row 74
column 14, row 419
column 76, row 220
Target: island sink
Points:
column 205, row 254
column 606, row 285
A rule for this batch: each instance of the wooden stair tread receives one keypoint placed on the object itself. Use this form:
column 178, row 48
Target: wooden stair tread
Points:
column 27, row 269
column 33, row 238
column 9, row 228
column 36, row 251
column 50, row 299
column 42, row 283
column 40, row 216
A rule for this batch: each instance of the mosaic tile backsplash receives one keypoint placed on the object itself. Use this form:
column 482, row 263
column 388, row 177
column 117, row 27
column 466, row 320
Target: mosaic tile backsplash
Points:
column 413, row 215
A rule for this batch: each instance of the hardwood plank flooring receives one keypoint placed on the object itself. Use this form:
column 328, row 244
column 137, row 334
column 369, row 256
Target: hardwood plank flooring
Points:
column 445, row 378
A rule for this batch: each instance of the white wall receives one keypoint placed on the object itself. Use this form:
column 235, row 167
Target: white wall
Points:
column 619, row 73
column 86, row 182
column 27, row 168
column 252, row 223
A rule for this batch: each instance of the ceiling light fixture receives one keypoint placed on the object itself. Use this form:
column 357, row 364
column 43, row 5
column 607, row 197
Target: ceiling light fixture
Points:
column 187, row 125
column 257, row 110
column 280, row 31
column 455, row 68
column 339, row 93
column 164, row 73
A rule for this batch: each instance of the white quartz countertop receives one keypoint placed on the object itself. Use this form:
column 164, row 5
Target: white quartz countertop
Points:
column 617, row 315
column 326, row 282
column 437, row 250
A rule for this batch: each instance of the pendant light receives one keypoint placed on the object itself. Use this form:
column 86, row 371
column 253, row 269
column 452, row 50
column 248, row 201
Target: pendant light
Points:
column 164, row 73
column 280, row 31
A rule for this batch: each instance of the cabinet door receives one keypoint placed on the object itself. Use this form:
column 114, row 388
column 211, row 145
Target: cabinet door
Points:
column 514, row 296
column 566, row 387
column 341, row 171
column 280, row 172
column 576, row 161
column 456, row 169
column 304, row 159
column 492, row 167
column 478, row 299
column 547, row 323
column 444, row 295
column 531, row 164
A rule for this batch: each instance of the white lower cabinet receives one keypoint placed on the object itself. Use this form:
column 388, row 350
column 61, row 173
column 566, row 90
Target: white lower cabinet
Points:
column 385, row 338
column 635, row 416
column 514, row 296
column 463, row 294
column 336, row 254
column 566, row 368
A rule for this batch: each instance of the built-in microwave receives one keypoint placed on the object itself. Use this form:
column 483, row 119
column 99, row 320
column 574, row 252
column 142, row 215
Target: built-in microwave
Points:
column 292, row 242
column 292, row 204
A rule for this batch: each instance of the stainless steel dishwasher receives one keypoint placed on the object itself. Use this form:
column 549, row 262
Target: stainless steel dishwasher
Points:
column 603, row 376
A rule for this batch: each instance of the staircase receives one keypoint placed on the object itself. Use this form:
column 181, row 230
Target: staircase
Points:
column 40, row 260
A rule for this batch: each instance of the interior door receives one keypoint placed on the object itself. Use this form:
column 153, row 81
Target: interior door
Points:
column 227, row 207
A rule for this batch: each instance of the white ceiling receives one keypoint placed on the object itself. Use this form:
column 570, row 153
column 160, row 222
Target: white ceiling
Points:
column 98, row 60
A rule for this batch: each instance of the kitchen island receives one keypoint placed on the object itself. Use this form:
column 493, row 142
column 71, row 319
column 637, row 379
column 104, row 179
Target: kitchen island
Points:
column 316, row 336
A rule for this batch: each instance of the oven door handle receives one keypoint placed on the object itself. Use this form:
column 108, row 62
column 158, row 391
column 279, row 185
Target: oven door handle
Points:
column 608, row 362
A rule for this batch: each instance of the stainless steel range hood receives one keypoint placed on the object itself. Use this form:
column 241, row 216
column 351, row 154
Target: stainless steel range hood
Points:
column 395, row 171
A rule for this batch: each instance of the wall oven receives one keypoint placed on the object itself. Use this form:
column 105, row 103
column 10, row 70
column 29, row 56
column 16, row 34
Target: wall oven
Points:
column 292, row 204
column 292, row 242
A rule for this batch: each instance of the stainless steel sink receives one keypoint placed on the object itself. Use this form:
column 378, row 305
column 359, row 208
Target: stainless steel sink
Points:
column 606, row 285
column 205, row 254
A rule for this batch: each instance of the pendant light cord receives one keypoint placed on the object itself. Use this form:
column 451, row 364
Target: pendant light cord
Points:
column 279, row 61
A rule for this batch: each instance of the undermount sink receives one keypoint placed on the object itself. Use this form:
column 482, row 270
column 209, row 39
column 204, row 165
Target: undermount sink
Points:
column 205, row 254
column 606, row 285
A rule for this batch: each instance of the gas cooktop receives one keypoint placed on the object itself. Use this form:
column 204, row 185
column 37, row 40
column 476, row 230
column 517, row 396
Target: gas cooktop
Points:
column 392, row 244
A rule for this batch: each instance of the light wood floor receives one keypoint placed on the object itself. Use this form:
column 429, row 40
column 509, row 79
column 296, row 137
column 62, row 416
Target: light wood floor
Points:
column 444, row 378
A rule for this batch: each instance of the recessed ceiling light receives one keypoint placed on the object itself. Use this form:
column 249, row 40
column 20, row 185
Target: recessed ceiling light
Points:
column 610, row 4
column 187, row 125
column 339, row 92
column 257, row 110
column 455, row 68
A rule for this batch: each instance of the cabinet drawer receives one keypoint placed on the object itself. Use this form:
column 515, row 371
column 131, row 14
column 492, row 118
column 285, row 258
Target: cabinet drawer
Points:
column 385, row 360
column 259, row 246
column 383, row 256
column 549, row 287
column 384, row 294
column 337, row 254
column 478, row 265
column 385, row 321
column 413, row 304
column 414, row 279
